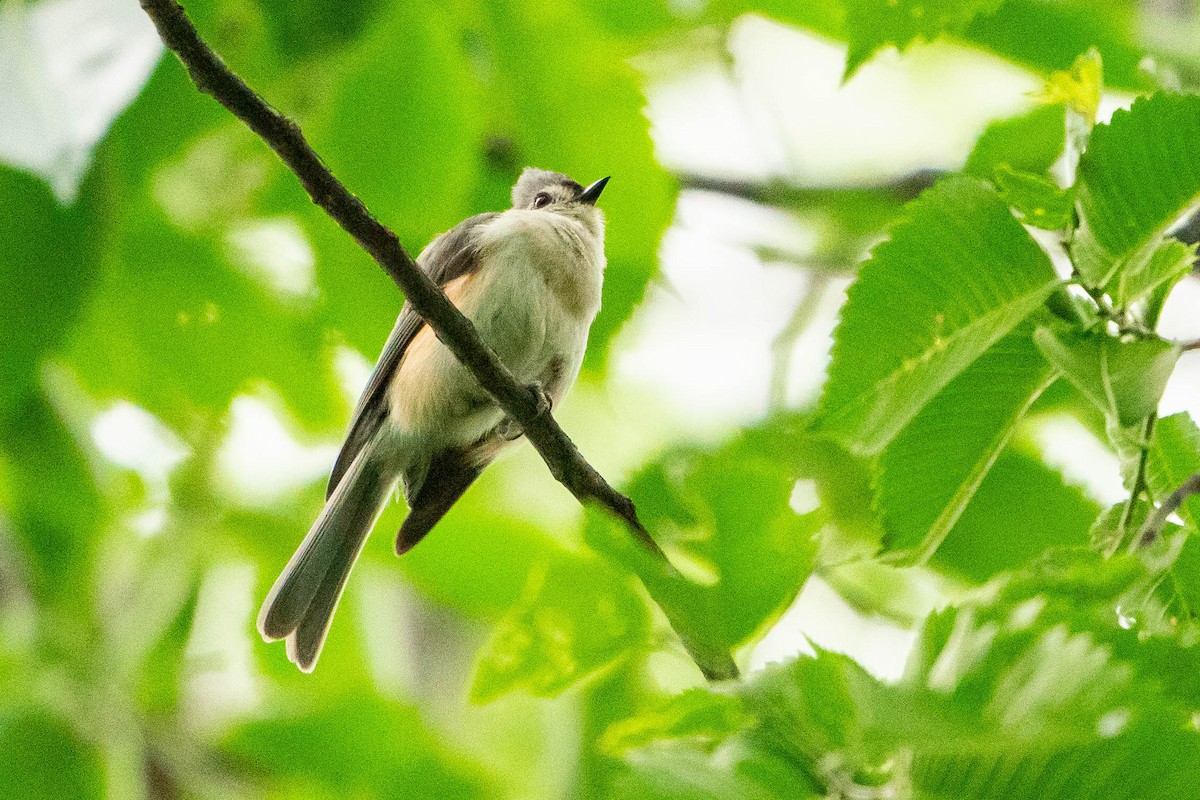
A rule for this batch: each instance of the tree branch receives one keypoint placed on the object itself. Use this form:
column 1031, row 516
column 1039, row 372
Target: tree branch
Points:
column 566, row 463
column 1154, row 525
column 777, row 192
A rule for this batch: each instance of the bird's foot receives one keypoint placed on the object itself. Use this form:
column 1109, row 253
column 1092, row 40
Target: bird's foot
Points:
column 542, row 398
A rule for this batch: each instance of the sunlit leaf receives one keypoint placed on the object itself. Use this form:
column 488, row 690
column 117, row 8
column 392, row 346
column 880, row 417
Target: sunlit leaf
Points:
column 1040, row 202
column 1123, row 379
column 1170, row 263
column 872, row 24
column 1140, row 174
column 956, row 275
column 737, row 771
column 575, row 617
column 1050, row 35
column 1078, row 88
column 1030, row 142
column 1173, row 458
column 929, row 472
column 1006, row 524
column 696, row 714
column 724, row 517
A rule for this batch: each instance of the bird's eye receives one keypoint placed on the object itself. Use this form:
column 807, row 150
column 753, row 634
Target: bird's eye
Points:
column 541, row 200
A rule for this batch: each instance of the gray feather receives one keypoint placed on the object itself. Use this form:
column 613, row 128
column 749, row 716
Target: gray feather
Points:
column 453, row 254
column 301, row 604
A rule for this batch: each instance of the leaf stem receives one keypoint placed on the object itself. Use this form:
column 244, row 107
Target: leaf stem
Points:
column 781, row 349
column 1139, row 484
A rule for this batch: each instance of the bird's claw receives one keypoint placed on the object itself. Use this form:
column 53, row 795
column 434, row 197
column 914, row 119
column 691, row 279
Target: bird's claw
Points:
column 541, row 398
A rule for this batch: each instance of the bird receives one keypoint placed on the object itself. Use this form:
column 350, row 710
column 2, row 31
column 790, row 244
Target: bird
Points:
column 529, row 278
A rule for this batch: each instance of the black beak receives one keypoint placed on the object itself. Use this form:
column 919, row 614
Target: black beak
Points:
column 592, row 193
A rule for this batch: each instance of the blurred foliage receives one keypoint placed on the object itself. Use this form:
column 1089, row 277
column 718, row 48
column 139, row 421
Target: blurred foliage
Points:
column 161, row 267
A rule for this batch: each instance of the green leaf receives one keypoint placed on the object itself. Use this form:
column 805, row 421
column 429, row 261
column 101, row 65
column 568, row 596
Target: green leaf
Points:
column 1007, row 521
column 1048, row 36
column 405, row 125
column 1140, row 174
column 873, row 24
column 814, row 705
column 354, row 745
column 43, row 759
column 1078, row 88
column 49, row 263
column 1030, row 142
column 738, row 771
column 54, row 505
column 697, row 714
column 303, row 28
column 1173, row 458
column 1170, row 263
column 1039, row 201
column 723, row 518
column 177, row 327
column 929, row 472
column 1123, row 379
column 576, row 616
column 955, row 277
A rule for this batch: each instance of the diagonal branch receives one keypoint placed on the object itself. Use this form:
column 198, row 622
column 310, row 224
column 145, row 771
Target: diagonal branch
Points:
column 521, row 403
column 1154, row 525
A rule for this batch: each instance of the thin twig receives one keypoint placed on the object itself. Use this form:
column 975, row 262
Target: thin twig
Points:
column 520, row 402
column 1185, row 347
column 785, row 342
column 778, row 192
column 1153, row 526
column 1139, row 483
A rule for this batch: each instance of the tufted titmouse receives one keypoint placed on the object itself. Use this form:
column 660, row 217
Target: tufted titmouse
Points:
column 529, row 279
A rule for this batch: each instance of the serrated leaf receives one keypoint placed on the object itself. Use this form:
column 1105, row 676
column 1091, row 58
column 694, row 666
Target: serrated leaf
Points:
column 576, row 616
column 929, row 472
column 1140, row 174
column 1079, row 88
column 1173, row 458
column 724, row 518
column 1041, row 202
column 737, row 771
column 1170, row 263
column 1124, row 379
column 957, row 275
column 873, row 24
column 815, row 705
column 1030, row 142
column 1006, row 523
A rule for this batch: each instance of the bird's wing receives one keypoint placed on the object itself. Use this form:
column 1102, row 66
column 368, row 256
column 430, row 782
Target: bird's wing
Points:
column 453, row 254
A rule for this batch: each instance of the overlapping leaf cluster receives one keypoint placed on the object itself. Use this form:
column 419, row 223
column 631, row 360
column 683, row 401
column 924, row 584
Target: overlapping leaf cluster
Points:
column 1071, row 671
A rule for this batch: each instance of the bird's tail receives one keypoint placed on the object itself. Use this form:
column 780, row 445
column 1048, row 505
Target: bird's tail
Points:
column 300, row 605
